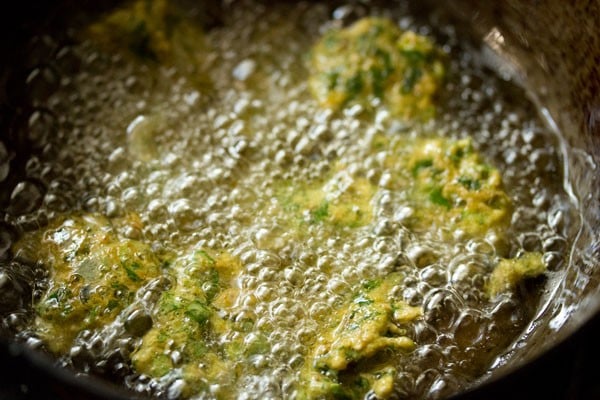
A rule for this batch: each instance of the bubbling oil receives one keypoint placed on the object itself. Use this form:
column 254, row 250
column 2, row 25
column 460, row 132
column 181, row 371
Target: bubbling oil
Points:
column 216, row 160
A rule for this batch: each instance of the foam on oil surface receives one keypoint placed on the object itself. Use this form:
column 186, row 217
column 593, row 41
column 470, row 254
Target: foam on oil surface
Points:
column 211, row 183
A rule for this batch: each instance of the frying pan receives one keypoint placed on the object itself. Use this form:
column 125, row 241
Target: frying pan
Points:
column 551, row 47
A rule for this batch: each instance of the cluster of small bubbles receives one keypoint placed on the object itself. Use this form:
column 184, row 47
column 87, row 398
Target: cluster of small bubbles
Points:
column 217, row 169
column 107, row 350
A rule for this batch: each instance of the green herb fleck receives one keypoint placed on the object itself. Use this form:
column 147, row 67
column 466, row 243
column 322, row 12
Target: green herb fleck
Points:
column 351, row 354
column 59, row 294
column 371, row 284
column 410, row 79
column 205, row 256
column 131, row 273
column 168, row 303
column 332, row 79
column 112, row 304
column 414, row 57
column 457, row 156
column 354, row 85
column 469, row 183
column 199, row 312
column 436, row 197
column 321, row 212
column 377, row 78
column 160, row 365
column 388, row 66
column 421, row 164
column 197, row 348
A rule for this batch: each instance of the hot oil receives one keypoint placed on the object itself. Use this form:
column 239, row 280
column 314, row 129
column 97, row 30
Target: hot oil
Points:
column 208, row 176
